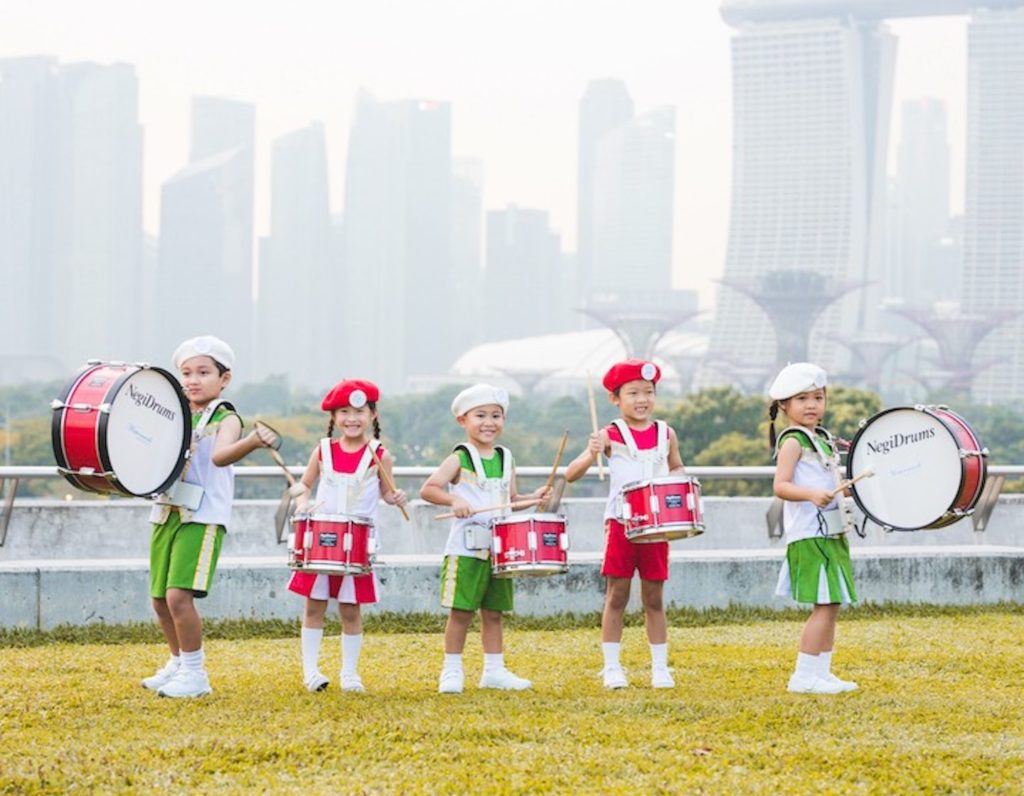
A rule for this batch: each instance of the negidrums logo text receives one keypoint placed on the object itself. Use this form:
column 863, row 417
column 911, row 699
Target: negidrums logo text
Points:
column 147, row 401
column 898, row 440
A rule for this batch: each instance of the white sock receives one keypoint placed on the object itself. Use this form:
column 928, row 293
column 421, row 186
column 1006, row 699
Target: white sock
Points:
column 453, row 663
column 174, row 660
column 825, row 663
column 806, row 664
column 610, row 649
column 494, row 661
column 659, row 656
column 311, row 638
column 350, row 649
column 192, row 660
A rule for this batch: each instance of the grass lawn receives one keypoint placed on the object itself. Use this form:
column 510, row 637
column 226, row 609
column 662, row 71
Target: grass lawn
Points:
column 940, row 710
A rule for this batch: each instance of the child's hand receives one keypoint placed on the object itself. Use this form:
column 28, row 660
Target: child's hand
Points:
column 597, row 443
column 542, row 494
column 821, row 497
column 397, row 498
column 460, row 508
column 264, row 436
column 302, row 504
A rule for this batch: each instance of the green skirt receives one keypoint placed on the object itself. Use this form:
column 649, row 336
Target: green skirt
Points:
column 818, row 571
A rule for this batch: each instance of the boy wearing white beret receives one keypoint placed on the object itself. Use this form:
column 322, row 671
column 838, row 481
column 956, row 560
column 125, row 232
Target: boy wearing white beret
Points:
column 190, row 520
column 478, row 473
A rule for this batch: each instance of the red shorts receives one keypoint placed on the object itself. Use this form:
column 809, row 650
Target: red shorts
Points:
column 353, row 589
column 622, row 557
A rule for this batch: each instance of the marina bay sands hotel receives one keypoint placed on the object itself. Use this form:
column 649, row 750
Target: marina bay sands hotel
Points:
column 812, row 94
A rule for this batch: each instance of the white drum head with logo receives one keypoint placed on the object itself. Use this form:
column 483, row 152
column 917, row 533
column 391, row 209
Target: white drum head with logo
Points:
column 917, row 468
column 147, row 432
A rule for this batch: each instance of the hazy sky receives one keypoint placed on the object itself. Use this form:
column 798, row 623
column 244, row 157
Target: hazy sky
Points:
column 513, row 69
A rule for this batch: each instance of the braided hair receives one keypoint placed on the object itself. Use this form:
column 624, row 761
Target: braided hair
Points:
column 330, row 426
column 773, row 412
column 376, row 421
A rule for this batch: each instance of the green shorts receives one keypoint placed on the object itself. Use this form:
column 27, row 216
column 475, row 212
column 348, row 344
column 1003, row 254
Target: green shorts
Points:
column 183, row 556
column 467, row 584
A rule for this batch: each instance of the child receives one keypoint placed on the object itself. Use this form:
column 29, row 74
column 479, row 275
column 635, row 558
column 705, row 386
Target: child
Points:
column 190, row 520
column 637, row 448
column 349, row 484
column 817, row 566
column 478, row 473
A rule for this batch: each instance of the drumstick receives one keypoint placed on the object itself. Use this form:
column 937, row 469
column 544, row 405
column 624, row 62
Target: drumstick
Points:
column 543, row 505
column 519, row 504
column 866, row 474
column 389, row 482
column 294, row 487
column 593, row 422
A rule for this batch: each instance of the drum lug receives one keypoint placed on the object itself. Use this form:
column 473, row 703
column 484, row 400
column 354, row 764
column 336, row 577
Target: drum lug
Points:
column 531, row 540
column 984, row 452
column 94, row 362
column 563, row 541
column 863, row 422
column 103, row 408
column 655, row 507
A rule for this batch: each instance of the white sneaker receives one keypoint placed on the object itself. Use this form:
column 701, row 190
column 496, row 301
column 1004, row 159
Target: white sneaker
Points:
column 316, row 682
column 187, row 683
column 845, row 685
column 615, row 677
column 661, row 677
column 451, row 682
column 162, row 677
column 352, row 682
column 812, row 684
column 504, row 680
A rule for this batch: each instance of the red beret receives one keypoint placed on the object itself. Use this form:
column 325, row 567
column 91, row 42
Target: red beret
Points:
column 630, row 370
column 351, row 392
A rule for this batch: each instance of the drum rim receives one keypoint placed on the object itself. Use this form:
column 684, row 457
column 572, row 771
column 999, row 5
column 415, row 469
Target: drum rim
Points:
column 57, row 429
column 513, row 520
column 358, row 518
column 927, row 409
column 661, row 479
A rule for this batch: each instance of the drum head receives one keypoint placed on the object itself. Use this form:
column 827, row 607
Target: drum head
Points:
column 147, row 431
column 917, row 467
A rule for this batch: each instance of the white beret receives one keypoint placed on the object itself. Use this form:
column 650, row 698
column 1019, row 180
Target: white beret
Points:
column 205, row 345
column 479, row 395
column 797, row 378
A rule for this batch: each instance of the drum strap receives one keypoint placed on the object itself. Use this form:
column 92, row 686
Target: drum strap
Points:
column 348, row 485
column 497, row 487
column 830, row 461
column 649, row 458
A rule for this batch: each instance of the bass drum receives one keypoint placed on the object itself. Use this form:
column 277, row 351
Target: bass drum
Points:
column 929, row 468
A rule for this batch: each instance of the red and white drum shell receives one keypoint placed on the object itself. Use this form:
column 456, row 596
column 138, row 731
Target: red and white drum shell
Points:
column 531, row 545
column 332, row 544
column 662, row 509
column 121, row 429
column 929, row 468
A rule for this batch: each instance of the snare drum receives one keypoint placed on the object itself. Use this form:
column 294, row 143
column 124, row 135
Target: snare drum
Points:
column 929, row 468
column 121, row 429
column 536, row 544
column 332, row 544
column 661, row 509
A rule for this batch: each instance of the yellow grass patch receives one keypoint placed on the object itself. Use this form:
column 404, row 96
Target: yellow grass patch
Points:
column 940, row 709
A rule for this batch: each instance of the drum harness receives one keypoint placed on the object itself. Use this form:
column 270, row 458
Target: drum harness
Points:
column 166, row 500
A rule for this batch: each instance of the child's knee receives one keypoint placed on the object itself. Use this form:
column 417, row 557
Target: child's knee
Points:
column 617, row 595
column 315, row 609
column 179, row 601
column 652, row 596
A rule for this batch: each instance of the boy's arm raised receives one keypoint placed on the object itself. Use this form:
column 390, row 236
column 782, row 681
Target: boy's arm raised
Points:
column 231, row 446
column 598, row 443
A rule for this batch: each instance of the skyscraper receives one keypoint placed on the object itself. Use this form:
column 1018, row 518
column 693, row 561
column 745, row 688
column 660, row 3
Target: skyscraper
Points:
column 397, row 241
column 632, row 203
column 993, row 271
column 206, row 229
column 922, row 213
column 99, row 213
column 29, row 330
column 810, row 120
column 605, row 105
column 298, row 281
column 467, row 250
column 524, row 276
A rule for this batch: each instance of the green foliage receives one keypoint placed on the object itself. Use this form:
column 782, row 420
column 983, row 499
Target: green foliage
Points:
column 704, row 417
column 735, row 450
column 846, row 407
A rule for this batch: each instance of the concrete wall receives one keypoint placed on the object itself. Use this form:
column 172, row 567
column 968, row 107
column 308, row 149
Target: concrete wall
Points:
column 79, row 562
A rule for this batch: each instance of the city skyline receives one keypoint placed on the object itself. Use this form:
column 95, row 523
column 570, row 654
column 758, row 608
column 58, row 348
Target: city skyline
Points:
column 663, row 54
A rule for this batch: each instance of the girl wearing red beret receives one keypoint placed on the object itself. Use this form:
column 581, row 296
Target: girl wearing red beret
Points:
column 637, row 448
column 349, row 483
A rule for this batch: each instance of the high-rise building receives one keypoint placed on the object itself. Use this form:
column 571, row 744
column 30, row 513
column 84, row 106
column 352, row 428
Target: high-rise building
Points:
column 299, row 284
column 632, row 204
column 206, row 234
column 605, row 106
column 524, row 276
column 99, row 214
column 397, row 241
column 810, row 119
column 467, row 250
column 993, row 271
column 29, row 328
column 922, row 226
